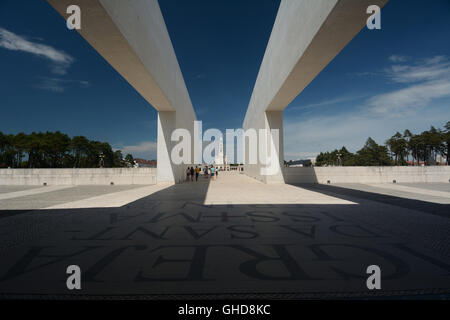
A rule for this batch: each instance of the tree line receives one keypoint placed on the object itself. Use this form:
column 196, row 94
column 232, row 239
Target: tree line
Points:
column 57, row 150
column 400, row 149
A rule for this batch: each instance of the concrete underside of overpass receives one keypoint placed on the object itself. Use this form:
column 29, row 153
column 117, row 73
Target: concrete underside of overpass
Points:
column 306, row 37
column 134, row 40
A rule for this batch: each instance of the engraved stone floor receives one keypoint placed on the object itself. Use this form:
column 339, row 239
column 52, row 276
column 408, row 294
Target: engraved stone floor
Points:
column 232, row 236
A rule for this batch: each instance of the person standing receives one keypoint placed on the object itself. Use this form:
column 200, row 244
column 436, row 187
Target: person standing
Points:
column 217, row 173
column 197, row 171
column 188, row 173
column 212, row 172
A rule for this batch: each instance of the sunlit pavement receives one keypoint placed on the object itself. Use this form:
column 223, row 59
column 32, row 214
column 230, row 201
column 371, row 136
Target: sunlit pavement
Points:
column 231, row 237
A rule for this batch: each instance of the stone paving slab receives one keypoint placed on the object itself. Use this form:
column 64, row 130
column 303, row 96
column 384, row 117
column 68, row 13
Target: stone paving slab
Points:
column 234, row 188
column 418, row 192
column 114, row 199
column 55, row 195
column 429, row 186
column 8, row 189
column 31, row 192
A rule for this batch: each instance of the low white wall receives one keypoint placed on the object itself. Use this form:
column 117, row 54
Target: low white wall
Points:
column 367, row 174
column 97, row 176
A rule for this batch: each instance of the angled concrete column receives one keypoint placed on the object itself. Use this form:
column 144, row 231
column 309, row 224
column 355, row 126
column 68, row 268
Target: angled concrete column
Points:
column 270, row 147
column 166, row 125
column 132, row 37
column 273, row 173
column 306, row 36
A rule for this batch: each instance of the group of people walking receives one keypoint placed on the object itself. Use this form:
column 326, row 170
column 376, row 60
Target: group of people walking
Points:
column 208, row 171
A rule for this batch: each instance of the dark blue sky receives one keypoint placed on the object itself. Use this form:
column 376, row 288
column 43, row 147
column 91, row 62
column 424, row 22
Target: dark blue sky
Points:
column 384, row 80
column 220, row 46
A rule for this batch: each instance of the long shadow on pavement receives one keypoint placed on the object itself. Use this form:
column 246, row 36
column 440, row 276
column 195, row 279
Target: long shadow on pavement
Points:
column 171, row 245
column 438, row 209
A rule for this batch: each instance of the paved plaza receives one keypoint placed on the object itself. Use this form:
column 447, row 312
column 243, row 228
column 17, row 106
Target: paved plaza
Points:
column 233, row 236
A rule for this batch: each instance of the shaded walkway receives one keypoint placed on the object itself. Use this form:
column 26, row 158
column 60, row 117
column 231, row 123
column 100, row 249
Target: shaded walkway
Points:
column 195, row 239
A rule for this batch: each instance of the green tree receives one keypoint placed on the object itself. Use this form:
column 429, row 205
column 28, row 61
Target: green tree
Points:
column 7, row 152
column 54, row 146
column 446, row 139
column 3, row 148
column 337, row 157
column 118, row 159
column 423, row 147
column 398, row 147
column 55, row 150
column 407, row 135
column 433, row 144
column 348, row 158
column 373, row 154
column 80, row 148
column 19, row 143
column 34, row 150
column 417, row 147
column 129, row 160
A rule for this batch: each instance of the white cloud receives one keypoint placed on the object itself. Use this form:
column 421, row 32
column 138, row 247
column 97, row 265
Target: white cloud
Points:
column 421, row 101
column 425, row 70
column 426, row 80
column 305, row 138
column 61, row 61
column 397, row 58
column 328, row 102
column 58, row 85
column 399, row 102
column 146, row 149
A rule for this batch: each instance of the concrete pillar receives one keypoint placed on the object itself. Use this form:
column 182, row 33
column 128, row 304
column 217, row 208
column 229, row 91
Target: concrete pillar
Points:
column 270, row 154
column 166, row 124
column 306, row 36
column 132, row 37
column 275, row 150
